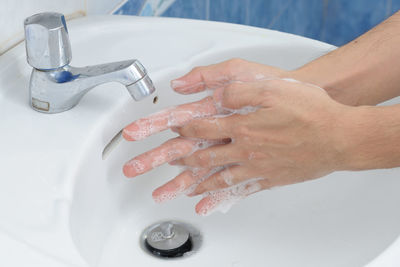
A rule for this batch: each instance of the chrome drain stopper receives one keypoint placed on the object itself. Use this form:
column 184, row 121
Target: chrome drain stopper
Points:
column 168, row 239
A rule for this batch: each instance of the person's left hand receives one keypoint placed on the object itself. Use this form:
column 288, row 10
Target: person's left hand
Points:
column 293, row 135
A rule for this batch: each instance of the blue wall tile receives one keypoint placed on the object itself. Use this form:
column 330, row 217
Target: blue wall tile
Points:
column 346, row 20
column 394, row 6
column 302, row 17
column 187, row 9
column 267, row 14
column 333, row 21
column 131, row 7
column 233, row 11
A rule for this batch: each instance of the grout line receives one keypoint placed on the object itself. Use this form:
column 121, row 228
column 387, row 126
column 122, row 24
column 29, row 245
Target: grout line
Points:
column 278, row 16
column 16, row 40
column 76, row 14
column 118, row 6
column 388, row 9
column 207, row 9
column 247, row 13
column 325, row 9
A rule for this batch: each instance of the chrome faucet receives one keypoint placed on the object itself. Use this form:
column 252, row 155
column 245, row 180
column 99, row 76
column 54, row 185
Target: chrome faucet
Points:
column 55, row 86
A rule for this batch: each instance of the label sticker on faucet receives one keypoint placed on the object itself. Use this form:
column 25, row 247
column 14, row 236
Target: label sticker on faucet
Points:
column 40, row 105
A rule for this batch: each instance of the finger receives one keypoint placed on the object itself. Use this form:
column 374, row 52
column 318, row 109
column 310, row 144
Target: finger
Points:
column 180, row 184
column 201, row 78
column 168, row 118
column 201, row 145
column 223, row 200
column 227, row 177
column 218, row 75
column 221, row 74
column 212, row 157
column 208, row 128
column 170, row 150
column 238, row 95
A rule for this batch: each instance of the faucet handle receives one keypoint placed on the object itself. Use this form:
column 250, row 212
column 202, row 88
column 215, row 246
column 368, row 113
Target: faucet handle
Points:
column 47, row 41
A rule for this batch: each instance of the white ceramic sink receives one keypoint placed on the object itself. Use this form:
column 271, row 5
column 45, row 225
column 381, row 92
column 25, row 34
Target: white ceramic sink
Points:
column 62, row 205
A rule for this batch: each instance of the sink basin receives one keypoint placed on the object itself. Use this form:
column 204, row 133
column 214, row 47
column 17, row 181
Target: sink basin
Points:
column 61, row 204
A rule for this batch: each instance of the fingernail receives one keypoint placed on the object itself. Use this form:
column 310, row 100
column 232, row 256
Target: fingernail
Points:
column 126, row 169
column 177, row 83
column 133, row 168
column 203, row 211
column 127, row 135
column 161, row 197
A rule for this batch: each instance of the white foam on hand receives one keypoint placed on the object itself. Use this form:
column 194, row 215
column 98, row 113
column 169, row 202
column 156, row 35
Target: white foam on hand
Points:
column 200, row 178
column 222, row 200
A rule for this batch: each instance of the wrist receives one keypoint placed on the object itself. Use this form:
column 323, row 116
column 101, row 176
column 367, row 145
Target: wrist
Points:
column 336, row 84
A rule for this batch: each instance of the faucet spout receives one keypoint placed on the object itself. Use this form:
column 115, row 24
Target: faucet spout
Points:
column 57, row 90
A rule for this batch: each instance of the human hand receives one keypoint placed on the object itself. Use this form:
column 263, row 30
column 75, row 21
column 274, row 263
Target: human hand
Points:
column 291, row 137
column 288, row 139
column 199, row 79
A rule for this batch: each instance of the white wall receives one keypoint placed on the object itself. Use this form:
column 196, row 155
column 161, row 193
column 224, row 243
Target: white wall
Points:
column 13, row 13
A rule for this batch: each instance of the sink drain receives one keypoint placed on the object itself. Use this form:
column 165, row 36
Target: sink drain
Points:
column 170, row 239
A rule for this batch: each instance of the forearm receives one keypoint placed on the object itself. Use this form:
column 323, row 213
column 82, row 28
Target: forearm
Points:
column 365, row 71
column 369, row 137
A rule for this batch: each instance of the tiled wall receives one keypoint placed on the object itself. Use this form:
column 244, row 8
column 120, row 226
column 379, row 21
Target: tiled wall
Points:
column 333, row 21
